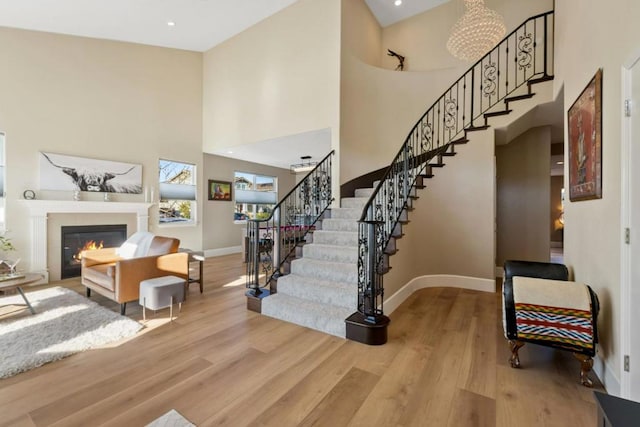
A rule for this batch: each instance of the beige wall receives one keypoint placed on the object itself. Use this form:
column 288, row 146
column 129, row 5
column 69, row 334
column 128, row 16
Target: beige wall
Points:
column 592, row 34
column 555, row 227
column 378, row 109
column 219, row 230
column 523, row 197
column 361, row 33
column 379, row 106
column 99, row 99
column 280, row 77
column 451, row 228
column 422, row 39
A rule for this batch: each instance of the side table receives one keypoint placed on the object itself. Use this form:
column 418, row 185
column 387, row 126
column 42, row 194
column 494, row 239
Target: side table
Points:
column 195, row 257
column 18, row 283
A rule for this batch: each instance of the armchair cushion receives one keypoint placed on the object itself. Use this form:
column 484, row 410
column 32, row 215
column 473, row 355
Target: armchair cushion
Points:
column 102, row 275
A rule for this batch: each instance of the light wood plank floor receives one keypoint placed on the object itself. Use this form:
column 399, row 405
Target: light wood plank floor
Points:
column 446, row 364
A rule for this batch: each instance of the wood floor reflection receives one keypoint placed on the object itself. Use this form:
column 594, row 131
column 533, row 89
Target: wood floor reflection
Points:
column 446, row 364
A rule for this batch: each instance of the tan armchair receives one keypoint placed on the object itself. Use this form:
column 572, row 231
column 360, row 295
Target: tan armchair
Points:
column 118, row 278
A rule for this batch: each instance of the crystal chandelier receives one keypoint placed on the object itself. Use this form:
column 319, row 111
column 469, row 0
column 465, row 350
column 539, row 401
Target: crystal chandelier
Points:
column 476, row 32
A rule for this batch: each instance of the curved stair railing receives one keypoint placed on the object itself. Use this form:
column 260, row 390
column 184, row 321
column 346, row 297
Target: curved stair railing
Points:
column 522, row 57
column 272, row 241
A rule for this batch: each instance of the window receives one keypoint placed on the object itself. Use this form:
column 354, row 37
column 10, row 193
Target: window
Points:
column 177, row 192
column 2, row 195
column 256, row 195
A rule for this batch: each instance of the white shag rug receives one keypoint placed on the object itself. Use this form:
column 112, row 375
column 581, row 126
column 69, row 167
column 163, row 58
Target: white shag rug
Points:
column 171, row 419
column 65, row 323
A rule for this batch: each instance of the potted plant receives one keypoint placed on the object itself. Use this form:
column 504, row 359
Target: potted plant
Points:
column 7, row 266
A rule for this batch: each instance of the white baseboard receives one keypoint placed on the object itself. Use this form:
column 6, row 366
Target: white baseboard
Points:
column 437, row 280
column 607, row 377
column 222, row 251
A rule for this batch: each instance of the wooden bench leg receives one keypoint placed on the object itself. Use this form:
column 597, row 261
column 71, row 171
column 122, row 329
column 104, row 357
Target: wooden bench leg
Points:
column 586, row 363
column 515, row 345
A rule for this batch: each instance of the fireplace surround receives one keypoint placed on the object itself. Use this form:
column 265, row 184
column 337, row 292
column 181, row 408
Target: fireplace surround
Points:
column 39, row 211
column 74, row 239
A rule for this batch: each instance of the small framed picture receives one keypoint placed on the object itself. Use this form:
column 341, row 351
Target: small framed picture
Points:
column 220, row 190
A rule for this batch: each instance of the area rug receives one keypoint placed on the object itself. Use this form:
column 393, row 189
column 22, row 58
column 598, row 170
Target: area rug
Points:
column 65, row 323
column 171, row 419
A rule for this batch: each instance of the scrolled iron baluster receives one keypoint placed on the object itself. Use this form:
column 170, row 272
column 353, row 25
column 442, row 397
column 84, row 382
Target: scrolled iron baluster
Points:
column 490, row 74
column 525, row 48
column 287, row 225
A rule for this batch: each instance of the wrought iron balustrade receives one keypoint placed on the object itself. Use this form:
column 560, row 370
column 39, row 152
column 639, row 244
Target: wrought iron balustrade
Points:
column 523, row 56
column 272, row 241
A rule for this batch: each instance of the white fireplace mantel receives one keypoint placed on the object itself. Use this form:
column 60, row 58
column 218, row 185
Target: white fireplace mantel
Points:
column 40, row 209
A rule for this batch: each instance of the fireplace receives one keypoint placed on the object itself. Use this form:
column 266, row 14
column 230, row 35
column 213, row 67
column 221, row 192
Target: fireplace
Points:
column 75, row 239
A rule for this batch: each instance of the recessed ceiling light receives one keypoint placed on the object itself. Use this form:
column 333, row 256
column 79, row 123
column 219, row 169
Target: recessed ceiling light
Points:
column 560, row 163
column 229, row 152
column 398, row 2
column 171, row 23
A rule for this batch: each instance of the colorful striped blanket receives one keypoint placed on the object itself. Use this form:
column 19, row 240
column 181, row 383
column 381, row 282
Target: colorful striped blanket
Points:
column 555, row 311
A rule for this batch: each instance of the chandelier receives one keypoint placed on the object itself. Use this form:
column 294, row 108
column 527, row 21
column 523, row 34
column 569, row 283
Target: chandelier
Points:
column 476, row 32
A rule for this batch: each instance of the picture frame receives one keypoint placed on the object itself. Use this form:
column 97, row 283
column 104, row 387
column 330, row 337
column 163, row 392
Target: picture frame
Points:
column 584, row 121
column 220, row 190
column 61, row 172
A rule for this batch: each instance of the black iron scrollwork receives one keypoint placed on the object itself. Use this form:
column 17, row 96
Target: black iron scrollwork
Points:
column 525, row 58
column 490, row 74
column 506, row 68
column 450, row 114
column 272, row 241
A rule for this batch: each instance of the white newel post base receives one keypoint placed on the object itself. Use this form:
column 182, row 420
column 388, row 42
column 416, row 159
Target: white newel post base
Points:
column 39, row 210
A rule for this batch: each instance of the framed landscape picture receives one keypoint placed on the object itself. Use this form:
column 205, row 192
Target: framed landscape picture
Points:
column 220, row 190
column 584, row 120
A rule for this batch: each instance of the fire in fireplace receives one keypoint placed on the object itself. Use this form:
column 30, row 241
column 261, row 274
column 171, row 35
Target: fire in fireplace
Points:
column 76, row 239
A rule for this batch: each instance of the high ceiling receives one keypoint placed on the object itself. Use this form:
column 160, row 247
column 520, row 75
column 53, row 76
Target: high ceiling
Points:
column 199, row 24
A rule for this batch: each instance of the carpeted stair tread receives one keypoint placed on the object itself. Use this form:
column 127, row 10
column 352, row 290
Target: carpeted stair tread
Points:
column 315, row 315
column 346, row 254
column 346, row 213
column 326, row 270
column 364, row 192
column 354, row 202
column 338, row 238
column 339, row 224
column 324, row 291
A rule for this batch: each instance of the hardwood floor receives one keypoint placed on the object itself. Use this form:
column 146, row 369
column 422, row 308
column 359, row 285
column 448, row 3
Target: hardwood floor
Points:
column 446, row 364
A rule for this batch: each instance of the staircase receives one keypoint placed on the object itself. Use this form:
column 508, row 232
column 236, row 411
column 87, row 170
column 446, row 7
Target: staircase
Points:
column 320, row 291
column 350, row 252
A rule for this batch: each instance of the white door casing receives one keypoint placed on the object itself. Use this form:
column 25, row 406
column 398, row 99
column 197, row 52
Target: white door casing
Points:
column 630, row 252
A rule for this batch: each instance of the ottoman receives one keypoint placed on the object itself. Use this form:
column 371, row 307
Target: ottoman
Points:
column 161, row 292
